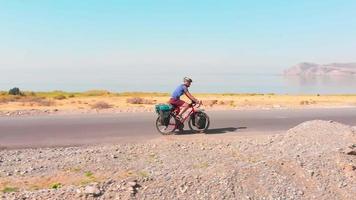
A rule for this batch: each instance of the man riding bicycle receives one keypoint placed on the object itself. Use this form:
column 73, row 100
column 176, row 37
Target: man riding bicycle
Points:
column 178, row 92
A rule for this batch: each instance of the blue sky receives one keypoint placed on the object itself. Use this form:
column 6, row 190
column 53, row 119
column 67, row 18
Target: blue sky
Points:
column 175, row 35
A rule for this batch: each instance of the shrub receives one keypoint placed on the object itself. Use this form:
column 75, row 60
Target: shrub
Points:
column 71, row 96
column 139, row 100
column 56, row 185
column 88, row 174
column 60, row 97
column 101, row 105
column 15, row 91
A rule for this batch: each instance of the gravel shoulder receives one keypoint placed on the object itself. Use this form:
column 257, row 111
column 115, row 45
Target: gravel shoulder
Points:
column 314, row 160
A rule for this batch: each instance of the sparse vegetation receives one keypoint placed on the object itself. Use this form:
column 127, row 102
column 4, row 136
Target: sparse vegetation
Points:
column 34, row 103
column 89, row 178
column 101, row 105
column 88, row 174
column 56, row 186
column 9, row 189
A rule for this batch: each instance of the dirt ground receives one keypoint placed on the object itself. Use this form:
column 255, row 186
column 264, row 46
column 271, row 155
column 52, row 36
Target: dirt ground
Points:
column 314, row 160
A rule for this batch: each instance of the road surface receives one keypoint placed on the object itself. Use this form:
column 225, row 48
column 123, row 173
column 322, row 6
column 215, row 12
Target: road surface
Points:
column 68, row 130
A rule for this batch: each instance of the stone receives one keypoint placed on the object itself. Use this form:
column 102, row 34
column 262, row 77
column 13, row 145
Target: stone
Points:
column 342, row 184
column 132, row 183
column 351, row 152
column 92, row 190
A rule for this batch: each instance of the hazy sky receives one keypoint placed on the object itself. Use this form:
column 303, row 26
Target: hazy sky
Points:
column 180, row 35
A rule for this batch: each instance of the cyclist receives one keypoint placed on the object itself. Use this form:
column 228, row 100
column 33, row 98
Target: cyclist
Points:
column 178, row 92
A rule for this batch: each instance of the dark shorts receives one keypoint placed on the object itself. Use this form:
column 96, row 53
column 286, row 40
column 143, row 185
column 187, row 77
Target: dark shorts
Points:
column 176, row 102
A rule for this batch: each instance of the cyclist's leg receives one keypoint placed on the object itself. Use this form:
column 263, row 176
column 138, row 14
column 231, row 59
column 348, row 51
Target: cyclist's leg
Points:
column 184, row 107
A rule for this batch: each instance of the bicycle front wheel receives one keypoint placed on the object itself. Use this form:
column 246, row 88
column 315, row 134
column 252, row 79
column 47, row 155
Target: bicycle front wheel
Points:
column 194, row 128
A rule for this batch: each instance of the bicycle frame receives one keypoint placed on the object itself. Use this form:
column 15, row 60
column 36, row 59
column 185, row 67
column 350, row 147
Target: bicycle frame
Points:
column 190, row 113
column 192, row 110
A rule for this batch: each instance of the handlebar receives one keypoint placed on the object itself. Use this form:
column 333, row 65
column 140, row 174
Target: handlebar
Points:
column 192, row 104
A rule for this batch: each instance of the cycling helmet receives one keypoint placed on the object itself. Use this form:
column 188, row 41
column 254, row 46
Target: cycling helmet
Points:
column 187, row 79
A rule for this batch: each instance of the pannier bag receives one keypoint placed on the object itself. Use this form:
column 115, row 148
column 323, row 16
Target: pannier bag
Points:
column 200, row 121
column 164, row 111
column 163, row 107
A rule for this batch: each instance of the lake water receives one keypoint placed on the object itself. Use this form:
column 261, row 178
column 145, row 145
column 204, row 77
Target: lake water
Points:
column 166, row 82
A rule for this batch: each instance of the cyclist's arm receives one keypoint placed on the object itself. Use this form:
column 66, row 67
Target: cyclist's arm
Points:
column 190, row 96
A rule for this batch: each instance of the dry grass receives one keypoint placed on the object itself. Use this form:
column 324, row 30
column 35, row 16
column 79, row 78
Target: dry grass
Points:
column 31, row 100
column 96, row 93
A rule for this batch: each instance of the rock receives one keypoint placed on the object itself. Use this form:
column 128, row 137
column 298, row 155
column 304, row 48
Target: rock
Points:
column 92, row 190
column 351, row 150
column 24, row 172
column 132, row 190
column 342, row 184
column 350, row 168
column 132, row 183
column 183, row 189
column 311, row 172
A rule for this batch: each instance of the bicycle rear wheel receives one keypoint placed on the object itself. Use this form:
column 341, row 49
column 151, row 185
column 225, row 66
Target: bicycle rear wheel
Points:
column 166, row 130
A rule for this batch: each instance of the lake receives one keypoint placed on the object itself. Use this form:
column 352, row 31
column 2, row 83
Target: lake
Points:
column 166, row 82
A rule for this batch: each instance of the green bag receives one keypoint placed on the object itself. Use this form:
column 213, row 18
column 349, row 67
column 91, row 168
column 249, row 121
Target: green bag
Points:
column 163, row 107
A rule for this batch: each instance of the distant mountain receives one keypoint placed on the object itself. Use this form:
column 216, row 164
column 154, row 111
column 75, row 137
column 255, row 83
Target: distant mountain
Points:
column 333, row 69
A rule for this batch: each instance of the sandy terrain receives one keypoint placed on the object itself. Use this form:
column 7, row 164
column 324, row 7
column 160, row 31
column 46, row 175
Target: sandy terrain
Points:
column 315, row 160
column 106, row 102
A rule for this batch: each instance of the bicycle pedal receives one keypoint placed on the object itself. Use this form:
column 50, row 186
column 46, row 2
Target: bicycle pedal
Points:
column 179, row 118
column 181, row 127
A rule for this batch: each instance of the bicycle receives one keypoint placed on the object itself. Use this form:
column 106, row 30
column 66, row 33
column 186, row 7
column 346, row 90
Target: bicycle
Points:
column 176, row 123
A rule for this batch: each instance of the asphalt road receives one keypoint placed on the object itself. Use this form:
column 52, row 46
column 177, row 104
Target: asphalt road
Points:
column 69, row 130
